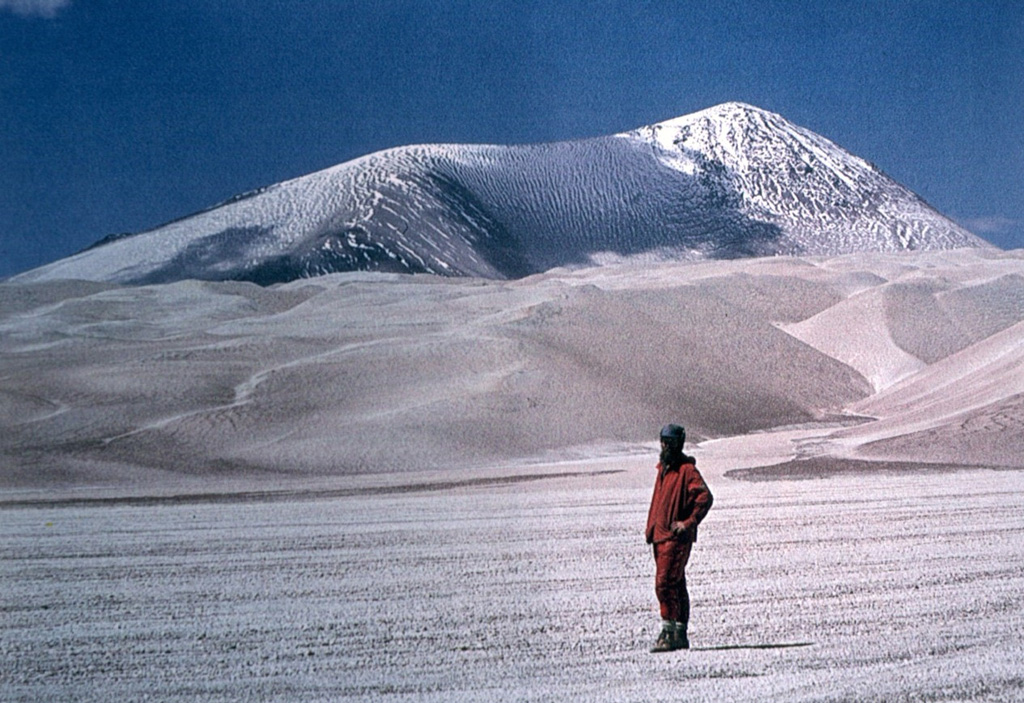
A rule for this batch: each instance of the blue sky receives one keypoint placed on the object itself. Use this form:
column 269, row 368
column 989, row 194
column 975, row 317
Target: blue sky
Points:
column 119, row 115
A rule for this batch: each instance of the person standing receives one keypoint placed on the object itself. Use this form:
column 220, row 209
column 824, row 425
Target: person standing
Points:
column 680, row 501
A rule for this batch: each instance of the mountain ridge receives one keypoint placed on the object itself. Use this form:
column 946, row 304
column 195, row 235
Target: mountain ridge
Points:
column 731, row 181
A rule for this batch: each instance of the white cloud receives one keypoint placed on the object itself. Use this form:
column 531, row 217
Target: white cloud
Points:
column 34, row 8
column 994, row 224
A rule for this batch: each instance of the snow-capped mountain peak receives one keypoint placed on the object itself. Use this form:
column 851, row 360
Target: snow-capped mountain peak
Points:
column 803, row 182
column 729, row 181
column 744, row 138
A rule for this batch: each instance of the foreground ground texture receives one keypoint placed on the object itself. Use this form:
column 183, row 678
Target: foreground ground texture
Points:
column 535, row 587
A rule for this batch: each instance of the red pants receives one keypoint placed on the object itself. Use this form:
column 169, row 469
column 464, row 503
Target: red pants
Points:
column 670, row 579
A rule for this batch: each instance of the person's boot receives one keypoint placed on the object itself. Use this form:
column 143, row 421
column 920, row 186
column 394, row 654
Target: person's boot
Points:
column 679, row 638
column 665, row 642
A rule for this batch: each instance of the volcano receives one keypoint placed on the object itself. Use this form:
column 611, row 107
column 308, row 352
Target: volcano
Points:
column 732, row 181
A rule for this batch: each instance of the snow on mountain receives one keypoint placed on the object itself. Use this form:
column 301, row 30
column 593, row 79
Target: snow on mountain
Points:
column 728, row 182
column 820, row 195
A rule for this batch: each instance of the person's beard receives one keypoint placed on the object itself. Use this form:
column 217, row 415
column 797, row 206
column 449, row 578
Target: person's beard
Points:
column 671, row 456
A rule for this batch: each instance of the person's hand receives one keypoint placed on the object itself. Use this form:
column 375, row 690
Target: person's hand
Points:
column 679, row 529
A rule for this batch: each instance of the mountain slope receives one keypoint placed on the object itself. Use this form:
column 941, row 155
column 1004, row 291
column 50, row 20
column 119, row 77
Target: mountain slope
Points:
column 728, row 182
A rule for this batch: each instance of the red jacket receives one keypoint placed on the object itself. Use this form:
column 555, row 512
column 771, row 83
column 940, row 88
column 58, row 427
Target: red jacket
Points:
column 680, row 495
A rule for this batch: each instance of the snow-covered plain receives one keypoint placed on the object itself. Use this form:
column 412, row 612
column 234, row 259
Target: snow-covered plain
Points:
column 895, row 587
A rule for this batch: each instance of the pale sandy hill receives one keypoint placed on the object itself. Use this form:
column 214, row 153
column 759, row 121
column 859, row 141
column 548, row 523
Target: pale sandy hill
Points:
column 966, row 408
column 192, row 382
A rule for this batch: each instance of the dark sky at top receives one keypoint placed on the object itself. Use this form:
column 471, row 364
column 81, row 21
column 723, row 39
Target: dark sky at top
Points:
column 119, row 115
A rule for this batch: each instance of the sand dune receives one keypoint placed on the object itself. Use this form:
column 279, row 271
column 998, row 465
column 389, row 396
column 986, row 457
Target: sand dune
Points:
column 133, row 388
column 964, row 408
column 855, row 333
